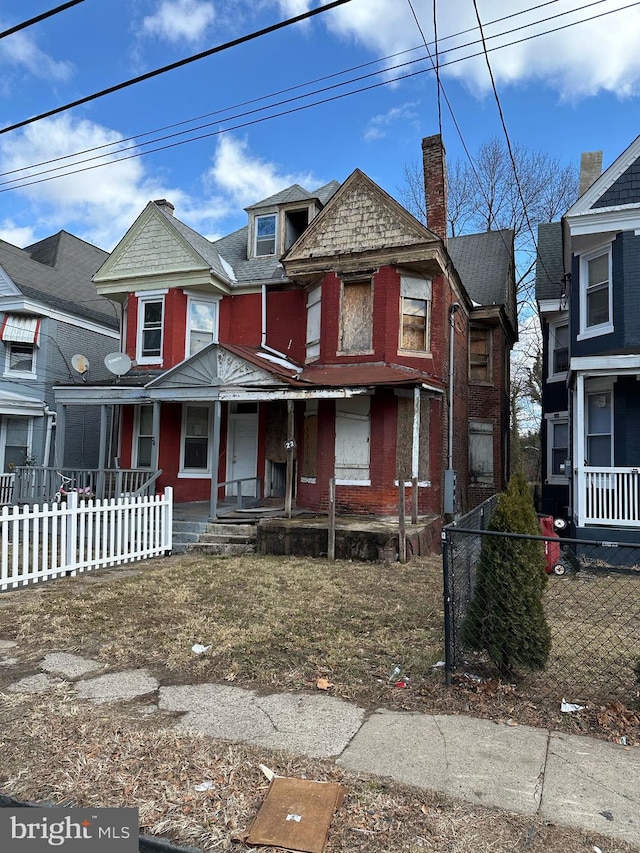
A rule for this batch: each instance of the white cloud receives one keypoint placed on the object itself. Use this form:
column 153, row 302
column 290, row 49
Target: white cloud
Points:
column 244, row 179
column 598, row 55
column 98, row 205
column 180, row 20
column 396, row 118
column 21, row 50
column 18, row 235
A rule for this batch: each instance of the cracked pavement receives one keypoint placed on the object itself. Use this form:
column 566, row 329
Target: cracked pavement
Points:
column 565, row 779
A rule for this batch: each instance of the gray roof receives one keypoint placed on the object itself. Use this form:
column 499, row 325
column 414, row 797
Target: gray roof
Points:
column 233, row 247
column 205, row 248
column 297, row 193
column 485, row 265
column 550, row 262
column 57, row 271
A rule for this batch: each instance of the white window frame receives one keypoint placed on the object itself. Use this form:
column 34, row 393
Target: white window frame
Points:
column 19, row 374
column 143, row 298
column 3, row 437
column 553, row 419
column 137, row 436
column 601, row 328
column 483, row 428
column 592, row 389
column 420, row 289
column 195, row 473
column 213, row 301
column 553, row 326
column 270, row 215
column 351, row 413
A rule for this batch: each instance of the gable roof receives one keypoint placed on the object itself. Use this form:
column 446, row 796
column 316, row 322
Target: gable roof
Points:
column 57, row 271
column 297, row 193
column 616, row 193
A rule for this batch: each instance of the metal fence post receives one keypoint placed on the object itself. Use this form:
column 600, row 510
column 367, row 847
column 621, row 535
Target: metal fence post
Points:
column 449, row 657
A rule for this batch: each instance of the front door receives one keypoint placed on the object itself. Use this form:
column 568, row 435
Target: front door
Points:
column 242, row 449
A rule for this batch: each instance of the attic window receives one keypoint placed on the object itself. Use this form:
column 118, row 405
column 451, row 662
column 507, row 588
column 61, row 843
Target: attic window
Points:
column 295, row 222
column 266, row 227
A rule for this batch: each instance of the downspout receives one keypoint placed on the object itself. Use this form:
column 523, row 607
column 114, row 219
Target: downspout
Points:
column 51, row 423
column 263, row 337
column 450, row 499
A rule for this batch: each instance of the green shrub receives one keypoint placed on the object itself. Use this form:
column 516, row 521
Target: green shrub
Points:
column 506, row 618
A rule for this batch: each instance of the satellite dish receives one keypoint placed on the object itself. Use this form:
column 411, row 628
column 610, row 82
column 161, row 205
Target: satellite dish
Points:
column 80, row 363
column 118, row 363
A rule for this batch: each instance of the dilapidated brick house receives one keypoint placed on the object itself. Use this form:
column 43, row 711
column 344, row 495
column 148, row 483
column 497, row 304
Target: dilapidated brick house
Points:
column 315, row 343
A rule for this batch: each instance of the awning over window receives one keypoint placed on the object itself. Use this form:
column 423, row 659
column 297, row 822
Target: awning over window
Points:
column 20, row 328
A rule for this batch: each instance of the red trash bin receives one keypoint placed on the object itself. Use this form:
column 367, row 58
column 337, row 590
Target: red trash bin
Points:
column 551, row 546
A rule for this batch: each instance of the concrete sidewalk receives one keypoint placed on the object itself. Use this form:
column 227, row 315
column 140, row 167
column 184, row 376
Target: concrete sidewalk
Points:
column 565, row 779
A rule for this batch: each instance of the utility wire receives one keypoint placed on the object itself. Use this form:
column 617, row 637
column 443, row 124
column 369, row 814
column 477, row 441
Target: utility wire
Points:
column 117, row 144
column 38, row 18
column 179, row 64
column 19, row 183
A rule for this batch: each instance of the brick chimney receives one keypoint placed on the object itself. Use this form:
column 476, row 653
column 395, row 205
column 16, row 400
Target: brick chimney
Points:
column 590, row 169
column 435, row 184
column 165, row 205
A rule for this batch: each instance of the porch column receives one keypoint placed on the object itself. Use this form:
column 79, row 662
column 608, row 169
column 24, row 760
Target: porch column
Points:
column 155, row 444
column 415, row 446
column 578, row 458
column 102, row 451
column 60, row 435
column 215, row 457
column 288, row 499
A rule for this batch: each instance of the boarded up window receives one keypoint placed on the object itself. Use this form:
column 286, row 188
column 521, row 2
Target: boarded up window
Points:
column 357, row 316
column 404, row 447
column 352, row 439
column 310, row 440
column 276, row 431
column 416, row 313
column 314, row 298
column 481, row 452
column 480, row 355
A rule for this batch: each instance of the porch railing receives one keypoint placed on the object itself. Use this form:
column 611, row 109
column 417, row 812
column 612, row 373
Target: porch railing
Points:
column 41, row 485
column 6, row 489
column 610, row 497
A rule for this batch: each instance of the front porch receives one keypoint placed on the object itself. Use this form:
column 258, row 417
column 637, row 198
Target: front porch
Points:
column 607, row 497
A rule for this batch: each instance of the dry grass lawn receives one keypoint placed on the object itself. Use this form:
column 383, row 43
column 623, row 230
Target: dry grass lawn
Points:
column 274, row 624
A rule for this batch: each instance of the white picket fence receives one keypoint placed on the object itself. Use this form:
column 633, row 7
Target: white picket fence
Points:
column 38, row 543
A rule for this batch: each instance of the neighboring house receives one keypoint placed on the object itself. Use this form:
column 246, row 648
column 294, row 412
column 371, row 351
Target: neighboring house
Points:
column 591, row 405
column 314, row 343
column 49, row 313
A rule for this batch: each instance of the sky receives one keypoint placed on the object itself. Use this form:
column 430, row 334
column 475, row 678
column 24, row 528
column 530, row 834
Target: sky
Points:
column 574, row 88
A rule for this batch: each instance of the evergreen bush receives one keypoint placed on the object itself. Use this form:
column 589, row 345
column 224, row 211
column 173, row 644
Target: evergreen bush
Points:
column 506, row 617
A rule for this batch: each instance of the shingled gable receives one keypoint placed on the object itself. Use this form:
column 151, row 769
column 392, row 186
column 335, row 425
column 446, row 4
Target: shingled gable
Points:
column 616, row 192
column 362, row 224
column 154, row 250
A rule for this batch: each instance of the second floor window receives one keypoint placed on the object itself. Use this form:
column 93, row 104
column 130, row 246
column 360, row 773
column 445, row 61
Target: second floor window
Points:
column 356, row 317
column 266, row 229
column 559, row 348
column 314, row 309
column 415, row 294
column 595, row 303
column 203, row 325
column 21, row 359
column 479, row 355
column 150, row 321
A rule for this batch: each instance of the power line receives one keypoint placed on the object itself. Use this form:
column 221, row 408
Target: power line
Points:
column 19, row 183
column 179, row 64
column 38, row 18
column 119, row 143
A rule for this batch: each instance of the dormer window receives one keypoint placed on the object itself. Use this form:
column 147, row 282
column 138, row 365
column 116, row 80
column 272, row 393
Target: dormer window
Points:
column 295, row 222
column 266, row 229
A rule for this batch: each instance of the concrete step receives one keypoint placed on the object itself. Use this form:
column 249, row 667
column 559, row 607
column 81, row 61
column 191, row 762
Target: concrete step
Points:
column 228, row 549
column 232, row 539
column 219, row 528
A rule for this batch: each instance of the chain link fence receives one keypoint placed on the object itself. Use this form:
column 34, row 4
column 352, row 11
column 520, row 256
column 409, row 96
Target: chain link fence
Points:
column 591, row 603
